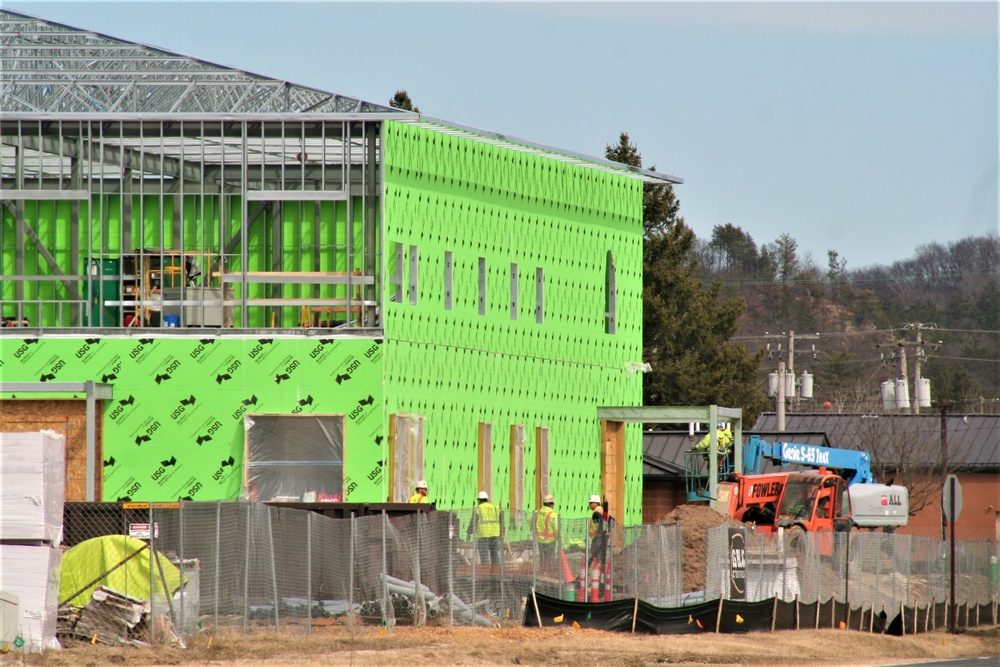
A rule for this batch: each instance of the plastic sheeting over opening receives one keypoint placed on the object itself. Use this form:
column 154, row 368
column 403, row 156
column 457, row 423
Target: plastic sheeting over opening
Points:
column 294, row 458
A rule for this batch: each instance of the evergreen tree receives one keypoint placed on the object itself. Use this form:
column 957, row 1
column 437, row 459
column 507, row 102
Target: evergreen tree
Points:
column 401, row 100
column 686, row 328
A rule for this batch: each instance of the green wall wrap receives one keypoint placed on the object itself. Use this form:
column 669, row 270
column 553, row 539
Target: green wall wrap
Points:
column 174, row 428
column 456, row 367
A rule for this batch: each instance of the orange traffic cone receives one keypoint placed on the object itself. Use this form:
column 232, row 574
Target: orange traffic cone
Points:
column 567, row 573
column 581, row 595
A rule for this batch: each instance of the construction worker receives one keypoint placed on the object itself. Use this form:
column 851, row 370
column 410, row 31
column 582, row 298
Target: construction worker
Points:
column 419, row 493
column 486, row 524
column 724, row 441
column 598, row 531
column 546, row 533
column 724, row 438
column 823, row 508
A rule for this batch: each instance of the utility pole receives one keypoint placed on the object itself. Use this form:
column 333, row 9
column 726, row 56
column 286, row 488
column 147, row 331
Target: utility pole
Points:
column 791, row 347
column 791, row 369
column 918, row 357
column 944, row 462
column 781, row 396
column 918, row 354
column 916, row 373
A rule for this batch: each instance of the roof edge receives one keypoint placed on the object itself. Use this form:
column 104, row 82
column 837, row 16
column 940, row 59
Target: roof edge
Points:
column 645, row 175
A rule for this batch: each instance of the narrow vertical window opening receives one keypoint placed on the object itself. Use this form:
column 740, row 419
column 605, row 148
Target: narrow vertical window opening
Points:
column 449, row 276
column 539, row 295
column 482, row 285
column 610, row 297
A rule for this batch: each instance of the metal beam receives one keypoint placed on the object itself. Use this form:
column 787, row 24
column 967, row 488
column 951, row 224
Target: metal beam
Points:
column 296, row 195
column 669, row 414
column 44, row 195
column 94, row 390
column 81, row 148
column 101, row 390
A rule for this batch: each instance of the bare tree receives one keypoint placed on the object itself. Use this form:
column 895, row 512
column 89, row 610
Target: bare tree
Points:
column 907, row 451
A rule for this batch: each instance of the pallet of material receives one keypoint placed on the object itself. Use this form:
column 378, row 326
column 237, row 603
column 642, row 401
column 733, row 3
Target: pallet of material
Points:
column 32, row 486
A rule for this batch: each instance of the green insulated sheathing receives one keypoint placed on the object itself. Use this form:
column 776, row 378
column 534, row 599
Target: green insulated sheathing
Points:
column 477, row 201
column 311, row 236
column 175, row 427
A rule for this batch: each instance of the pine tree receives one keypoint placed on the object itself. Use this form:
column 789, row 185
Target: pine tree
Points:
column 401, row 100
column 686, row 328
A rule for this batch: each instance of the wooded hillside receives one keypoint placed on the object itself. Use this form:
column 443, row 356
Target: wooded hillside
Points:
column 951, row 293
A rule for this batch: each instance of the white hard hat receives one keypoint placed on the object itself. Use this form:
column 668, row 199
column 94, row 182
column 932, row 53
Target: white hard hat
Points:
column 548, row 499
column 421, row 485
column 595, row 499
column 483, row 495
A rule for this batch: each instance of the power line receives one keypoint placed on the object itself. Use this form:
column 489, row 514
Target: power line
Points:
column 740, row 339
column 976, row 331
column 992, row 361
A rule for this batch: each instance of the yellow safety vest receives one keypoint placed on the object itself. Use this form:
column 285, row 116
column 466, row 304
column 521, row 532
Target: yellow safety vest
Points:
column 417, row 498
column 487, row 520
column 724, row 439
column 546, row 525
column 597, row 526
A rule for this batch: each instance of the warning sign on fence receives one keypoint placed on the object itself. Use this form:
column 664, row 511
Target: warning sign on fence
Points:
column 140, row 531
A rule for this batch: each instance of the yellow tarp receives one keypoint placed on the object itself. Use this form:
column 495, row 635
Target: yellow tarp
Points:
column 89, row 560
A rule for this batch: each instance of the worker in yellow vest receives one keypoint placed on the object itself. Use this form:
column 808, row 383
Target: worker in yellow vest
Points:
column 419, row 493
column 547, row 533
column 486, row 525
column 724, row 440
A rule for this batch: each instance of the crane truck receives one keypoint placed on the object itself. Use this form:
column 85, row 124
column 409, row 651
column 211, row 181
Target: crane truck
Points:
column 839, row 494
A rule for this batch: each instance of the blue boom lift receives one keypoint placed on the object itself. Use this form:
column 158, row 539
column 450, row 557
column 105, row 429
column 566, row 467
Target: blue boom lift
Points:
column 853, row 466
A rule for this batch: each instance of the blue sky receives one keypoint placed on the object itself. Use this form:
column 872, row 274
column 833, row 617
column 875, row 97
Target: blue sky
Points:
column 867, row 128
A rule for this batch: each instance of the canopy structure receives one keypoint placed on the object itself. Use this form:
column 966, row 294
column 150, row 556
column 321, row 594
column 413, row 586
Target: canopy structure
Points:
column 706, row 414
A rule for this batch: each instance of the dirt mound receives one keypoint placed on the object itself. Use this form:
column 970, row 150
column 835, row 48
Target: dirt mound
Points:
column 694, row 519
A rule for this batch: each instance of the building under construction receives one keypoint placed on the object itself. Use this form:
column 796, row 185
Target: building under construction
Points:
column 223, row 285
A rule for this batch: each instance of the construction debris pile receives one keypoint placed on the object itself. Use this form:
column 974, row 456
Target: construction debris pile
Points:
column 113, row 618
column 419, row 604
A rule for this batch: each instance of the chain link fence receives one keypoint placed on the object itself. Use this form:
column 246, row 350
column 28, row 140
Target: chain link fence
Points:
column 877, row 570
column 247, row 567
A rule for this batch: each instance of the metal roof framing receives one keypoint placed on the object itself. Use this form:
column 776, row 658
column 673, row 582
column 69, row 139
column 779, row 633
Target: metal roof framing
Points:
column 49, row 69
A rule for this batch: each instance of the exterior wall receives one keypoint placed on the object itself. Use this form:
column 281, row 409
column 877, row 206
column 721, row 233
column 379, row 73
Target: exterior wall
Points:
column 660, row 497
column 459, row 368
column 980, row 504
column 175, row 427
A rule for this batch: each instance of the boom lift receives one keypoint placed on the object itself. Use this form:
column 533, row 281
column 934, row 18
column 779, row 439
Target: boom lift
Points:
column 854, row 466
column 839, row 495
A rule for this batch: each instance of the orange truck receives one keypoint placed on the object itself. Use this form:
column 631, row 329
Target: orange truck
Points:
column 814, row 501
column 827, row 499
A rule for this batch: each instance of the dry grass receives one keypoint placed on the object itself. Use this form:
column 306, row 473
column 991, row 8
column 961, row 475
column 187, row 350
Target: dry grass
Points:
column 560, row 647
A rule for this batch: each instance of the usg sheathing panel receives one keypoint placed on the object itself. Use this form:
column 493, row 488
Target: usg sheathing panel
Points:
column 458, row 368
column 174, row 428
